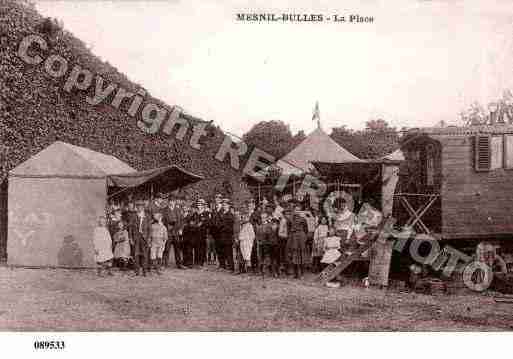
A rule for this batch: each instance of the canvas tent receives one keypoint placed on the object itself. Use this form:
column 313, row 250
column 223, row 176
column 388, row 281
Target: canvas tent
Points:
column 158, row 177
column 56, row 197
column 316, row 147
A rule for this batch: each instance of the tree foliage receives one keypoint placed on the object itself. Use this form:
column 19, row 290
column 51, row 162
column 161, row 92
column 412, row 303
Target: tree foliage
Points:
column 273, row 137
column 376, row 140
column 35, row 111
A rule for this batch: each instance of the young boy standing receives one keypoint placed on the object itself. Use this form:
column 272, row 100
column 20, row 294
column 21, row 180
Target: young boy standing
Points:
column 157, row 242
column 121, row 246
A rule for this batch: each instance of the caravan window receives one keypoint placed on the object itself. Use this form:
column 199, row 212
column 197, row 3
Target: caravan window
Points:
column 496, row 152
column 508, row 151
column 489, row 152
column 430, row 165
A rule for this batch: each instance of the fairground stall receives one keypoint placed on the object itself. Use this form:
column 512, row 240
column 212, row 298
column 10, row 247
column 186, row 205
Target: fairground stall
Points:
column 54, row 200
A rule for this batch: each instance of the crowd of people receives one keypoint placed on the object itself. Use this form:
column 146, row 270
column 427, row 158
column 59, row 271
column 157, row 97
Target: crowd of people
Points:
column 276, row 238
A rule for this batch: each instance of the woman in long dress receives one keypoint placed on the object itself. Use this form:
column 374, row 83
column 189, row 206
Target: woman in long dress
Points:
column 246, row 241
column 102, row 247
column 296, row 242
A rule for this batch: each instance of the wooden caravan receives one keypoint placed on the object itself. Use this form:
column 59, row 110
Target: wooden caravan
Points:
column 456, row 183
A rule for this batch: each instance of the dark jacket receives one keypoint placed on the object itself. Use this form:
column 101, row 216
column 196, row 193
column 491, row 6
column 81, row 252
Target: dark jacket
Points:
column 190, row 228
column 225, row 222
column 256, row 217
column 270, row 236
column 173, row 220
column 214, row 224
column 204, row 224
column 141, row 232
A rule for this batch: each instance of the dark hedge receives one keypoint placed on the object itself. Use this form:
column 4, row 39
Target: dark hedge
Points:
column 35, row 111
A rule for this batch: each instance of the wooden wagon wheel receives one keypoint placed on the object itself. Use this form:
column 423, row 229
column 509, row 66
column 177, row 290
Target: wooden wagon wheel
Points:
column 478, row 276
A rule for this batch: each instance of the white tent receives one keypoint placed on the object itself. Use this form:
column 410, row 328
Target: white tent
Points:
column 56, row 197
column 316, row 147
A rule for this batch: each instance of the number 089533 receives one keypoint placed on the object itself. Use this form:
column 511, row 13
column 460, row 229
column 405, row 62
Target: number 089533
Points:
column 52, row 344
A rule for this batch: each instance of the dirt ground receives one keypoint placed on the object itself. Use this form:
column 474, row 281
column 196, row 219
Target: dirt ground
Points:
column 210, row 300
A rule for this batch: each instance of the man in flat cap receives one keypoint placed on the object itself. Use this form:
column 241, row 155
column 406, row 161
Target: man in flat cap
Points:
column 141, row 238
column 189, row 235
column 173, row 220
column 225, row 221
column 214, row 225
column 203, row 223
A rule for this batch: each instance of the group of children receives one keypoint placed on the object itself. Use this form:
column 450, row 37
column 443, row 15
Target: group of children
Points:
column 118, row 247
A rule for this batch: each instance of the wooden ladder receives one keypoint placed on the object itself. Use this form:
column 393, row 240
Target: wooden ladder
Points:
column 381, row 233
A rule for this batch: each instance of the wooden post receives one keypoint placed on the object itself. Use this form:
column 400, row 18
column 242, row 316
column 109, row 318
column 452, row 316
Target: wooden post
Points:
column 381, row 252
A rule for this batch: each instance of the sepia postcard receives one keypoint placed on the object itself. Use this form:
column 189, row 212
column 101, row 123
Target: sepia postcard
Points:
column 255, row 166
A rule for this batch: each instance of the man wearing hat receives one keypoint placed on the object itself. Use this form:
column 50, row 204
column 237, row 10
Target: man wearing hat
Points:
column 189, row 234
column 203, row 223
column 225, row 222
column 173, row 220
column 218, row 202
column 141, row 238
column 159, row 204
column 214, row 224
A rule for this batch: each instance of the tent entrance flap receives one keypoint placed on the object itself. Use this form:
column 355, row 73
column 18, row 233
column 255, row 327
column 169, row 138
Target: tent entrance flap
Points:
column 167, row 178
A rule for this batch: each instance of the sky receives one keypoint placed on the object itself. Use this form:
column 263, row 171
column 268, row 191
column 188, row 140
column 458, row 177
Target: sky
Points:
column 417, row 63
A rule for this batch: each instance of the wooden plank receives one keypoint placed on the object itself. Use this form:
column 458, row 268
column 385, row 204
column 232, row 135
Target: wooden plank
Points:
column 457, row 163
column 486, row 208
column 463, row 177
column 476, row 196
column 463, row 235
column 379, row 235
column 474, row 230
column 480, row 221
column 380, row 259
column 456, row 149
column 480, row 225
column 460, row 142
column 462, row 188
column 471, row 198
column 460, row 157
column 450, row 171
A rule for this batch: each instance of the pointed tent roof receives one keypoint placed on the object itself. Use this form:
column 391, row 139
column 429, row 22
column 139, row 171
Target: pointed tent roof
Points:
column 63, row 159
column 316, row 147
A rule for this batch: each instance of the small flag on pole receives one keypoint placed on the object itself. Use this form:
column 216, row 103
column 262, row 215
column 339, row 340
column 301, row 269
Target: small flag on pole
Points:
column 317, row 114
